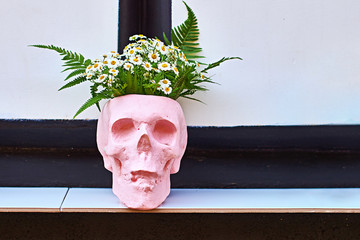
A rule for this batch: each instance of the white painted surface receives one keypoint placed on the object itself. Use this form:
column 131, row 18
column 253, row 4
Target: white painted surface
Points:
column 28, row 197
column 225, row 198
column 30, row 77
column 91, row 198
column 300, row 59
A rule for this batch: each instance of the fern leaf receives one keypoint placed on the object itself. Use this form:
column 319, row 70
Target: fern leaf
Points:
column 184, row 35
column 68, row 56
column 74, row 82
column 215, row 64
column 166, row 39
column 94, row 100
column 75, row 73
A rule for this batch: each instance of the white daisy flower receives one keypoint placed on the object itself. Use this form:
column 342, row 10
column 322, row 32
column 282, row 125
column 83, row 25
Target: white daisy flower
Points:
column 143, row 42
column 139, row 49
column 133, row 37
column 156, row 70
column 131, row 51
column 105, row 62
column 165, row 66
column 164, row 83
column 136, row 60
column 167, row 90
column 97, row 66
column 164, row 50
column 176, row 71
column 113, row 63
column 128, row 66
column 112, row 54
column 157, row 42
column 102, row 78
column 89, row 68
column 202, row 76
column 110, row 80
column 89, row 75
column 114, row 72
column 154, row 57
column 147, row 66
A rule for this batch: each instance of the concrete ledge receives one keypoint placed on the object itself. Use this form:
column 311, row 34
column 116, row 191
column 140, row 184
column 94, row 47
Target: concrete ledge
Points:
column 102, row 200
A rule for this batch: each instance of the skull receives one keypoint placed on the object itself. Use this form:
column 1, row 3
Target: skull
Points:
column 142, row 139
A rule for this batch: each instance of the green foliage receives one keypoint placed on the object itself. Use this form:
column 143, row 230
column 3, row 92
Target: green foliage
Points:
column 185, row 36
column 146, row 66
column 72, row 60
column 215, row 64
column 74, row 82
column 93, row 100
column 76, row 63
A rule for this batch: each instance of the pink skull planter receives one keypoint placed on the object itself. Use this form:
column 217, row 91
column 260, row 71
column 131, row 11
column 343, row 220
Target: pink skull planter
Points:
column 142, row 139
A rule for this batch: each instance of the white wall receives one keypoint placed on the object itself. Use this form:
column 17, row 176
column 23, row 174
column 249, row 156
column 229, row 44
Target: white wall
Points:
column 301, row 59
column 30, row 77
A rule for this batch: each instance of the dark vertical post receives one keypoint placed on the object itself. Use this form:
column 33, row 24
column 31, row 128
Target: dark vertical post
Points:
column 148, row 17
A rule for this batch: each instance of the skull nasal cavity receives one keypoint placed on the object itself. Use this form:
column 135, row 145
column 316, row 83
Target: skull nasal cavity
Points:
column 144, row 144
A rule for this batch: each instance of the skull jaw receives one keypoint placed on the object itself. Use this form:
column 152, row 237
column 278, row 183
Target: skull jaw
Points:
column 142, row 194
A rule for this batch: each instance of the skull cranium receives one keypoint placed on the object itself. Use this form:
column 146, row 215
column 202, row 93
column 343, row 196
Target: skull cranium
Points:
column 142, row 139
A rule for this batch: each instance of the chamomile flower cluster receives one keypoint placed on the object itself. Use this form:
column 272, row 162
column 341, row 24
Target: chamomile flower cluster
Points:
column 146, row 66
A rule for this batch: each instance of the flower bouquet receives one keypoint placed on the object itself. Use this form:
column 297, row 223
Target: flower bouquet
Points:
column 146, row 66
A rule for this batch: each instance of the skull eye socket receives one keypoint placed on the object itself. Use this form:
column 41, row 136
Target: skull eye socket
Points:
column 164, row 132
column 122, row 128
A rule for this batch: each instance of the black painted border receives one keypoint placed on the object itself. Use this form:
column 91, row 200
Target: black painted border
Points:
column 62, row 153
column 151, row 18
column 27, row 133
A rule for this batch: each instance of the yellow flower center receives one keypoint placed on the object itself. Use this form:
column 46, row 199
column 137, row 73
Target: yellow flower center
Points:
column 96, row 65
column 167, row 89
column 113, row 62
column 135, row 59
column 105, row 62
column 89, row 67
column 102, row 77
column 147, row 65
column 163, row 48
column 153, row 56
column 175, row 69
column 131, row 51
column 138, row 48
column 113, row 52
column 164, row 65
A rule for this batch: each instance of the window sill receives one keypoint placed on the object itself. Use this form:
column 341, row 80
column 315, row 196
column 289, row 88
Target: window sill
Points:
column 102, row 200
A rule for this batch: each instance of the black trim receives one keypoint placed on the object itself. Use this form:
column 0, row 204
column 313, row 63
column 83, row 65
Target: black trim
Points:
column 150, row 18
column 82, row 134
column 63, row 153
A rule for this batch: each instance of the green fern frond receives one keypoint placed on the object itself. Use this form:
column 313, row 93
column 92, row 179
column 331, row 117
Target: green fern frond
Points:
column 93, row 100
column 215, row 64
column 75, row 73
column 72, row 60
column 185, row 35
column 74, row 82
column 93, row 90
